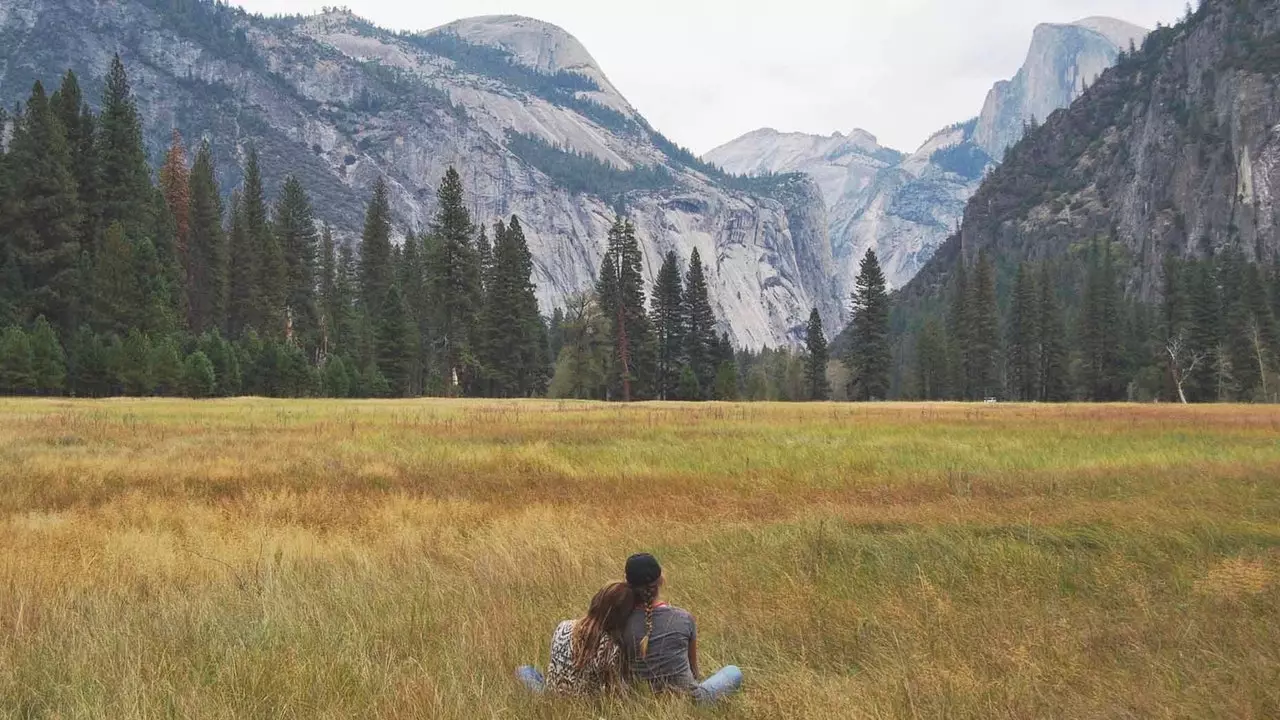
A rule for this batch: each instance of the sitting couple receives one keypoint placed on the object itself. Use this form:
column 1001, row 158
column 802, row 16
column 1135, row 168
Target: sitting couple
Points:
column 630, row 636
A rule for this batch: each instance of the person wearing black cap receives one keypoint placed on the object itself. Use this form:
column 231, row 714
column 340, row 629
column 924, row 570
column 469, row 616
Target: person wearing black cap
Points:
column 661, row 641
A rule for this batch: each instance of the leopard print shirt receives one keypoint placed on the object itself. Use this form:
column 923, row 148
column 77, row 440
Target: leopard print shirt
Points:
column 603, row 670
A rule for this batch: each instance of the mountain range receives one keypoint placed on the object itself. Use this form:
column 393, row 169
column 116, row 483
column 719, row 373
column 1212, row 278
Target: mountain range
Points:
column 904, row 205
column 519, row 106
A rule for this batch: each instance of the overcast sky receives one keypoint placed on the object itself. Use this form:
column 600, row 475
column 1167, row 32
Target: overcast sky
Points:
column 706, row 71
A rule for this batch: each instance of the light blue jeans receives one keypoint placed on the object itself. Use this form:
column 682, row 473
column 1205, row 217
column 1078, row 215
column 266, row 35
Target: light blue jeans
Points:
column 532, row 679
column 725, row 682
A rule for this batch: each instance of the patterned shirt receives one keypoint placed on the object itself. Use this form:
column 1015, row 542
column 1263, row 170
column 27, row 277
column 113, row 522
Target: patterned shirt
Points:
column 602, row 669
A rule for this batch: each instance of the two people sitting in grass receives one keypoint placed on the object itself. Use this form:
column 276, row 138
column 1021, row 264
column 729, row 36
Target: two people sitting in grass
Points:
column 629, row 637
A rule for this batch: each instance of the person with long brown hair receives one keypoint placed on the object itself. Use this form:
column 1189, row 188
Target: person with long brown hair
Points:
column 586, row 654
column 661, row 642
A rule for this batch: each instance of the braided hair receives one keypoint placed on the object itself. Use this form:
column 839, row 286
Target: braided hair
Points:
column 646, row 595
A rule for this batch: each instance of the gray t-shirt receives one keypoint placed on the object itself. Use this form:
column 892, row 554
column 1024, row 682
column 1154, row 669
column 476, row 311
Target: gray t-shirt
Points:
column 666, row 666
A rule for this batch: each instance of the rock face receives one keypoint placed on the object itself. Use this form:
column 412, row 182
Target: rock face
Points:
column 1062, row 61
column 904, row 206
column 519, row 106
column 1175, row 152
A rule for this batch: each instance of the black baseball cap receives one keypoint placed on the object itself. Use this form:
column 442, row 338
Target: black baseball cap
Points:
column 643, row 570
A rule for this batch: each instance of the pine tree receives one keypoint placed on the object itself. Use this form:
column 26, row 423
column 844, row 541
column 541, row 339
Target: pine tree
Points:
column 396, row 346
column 118, row 300
column 454, row 286
column 633, row 367
column 931, row 361
column 413, row 281
column 869, row 357
column 984, row 338
column 175, row 183
column 87, row 372
column 700, row 329
column 78, row 124
column 1024, row 338
column 269, row 279
column 44, row 216
column 377, row 271
column 484, row 253
column 207, row 252
column 17, row 366
column 336, row 381
column 669, row 328
column 48, row 361
column 10, row 279
column 124, row 178
column 815, row 369
column 198, row 377
column 516, row 338
column 242, row 295
column 959, row 332
column 328, row 291
column 166, row 364
column 296, row 231
column 726, row 389
column 1100, row 327
column 1052, row 346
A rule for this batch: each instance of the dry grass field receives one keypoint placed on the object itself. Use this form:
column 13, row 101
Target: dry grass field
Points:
column 271, row 559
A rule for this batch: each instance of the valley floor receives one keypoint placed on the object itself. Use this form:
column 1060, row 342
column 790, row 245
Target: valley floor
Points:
column 313, row 559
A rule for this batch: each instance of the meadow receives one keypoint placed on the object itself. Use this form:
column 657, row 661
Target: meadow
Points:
column 314, row 559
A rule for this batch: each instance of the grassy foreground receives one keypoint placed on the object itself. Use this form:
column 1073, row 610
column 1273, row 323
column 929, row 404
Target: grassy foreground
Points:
column 271, row 559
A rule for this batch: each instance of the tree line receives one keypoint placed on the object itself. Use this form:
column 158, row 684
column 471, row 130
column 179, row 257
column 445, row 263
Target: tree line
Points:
column 112, row 284
column 1068, row 331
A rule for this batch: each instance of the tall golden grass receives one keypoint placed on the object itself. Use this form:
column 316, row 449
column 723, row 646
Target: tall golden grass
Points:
column 272, row 559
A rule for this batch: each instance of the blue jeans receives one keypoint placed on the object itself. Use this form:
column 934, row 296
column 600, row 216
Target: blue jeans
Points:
column 725, row 682
column 532, row 679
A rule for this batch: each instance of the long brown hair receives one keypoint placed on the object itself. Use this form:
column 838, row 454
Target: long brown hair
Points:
column 608, row 614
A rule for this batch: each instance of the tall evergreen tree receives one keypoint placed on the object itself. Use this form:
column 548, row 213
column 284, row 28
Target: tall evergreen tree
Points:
column 328, row 290
column 208, row 256
column 1100, row 327
column 517, row 341
column 632, row 334
column 270, row 276
column 669, row 328
column 175, row 183
column 485, row 253
column 124, row 180
column 79, row 125
column 242, row 272
column 377, row 271
column 931, row 362
column 700, row 331
column 454, row 285
column 984, row 337
column 395, row 344
column 119, row 304
column 1024, row 338
column 815, row 369
column 44, row 215
column 869, row 358
column 1052, row 346
column 295, row 229
column 959, row 333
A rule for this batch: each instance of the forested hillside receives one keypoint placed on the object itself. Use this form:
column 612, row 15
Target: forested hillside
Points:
column 1127, row 248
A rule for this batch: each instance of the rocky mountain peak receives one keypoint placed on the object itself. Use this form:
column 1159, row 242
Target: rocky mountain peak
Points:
column 534, row 43
column 1119, row 32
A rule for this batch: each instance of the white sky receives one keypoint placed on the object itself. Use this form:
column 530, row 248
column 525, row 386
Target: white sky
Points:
column 706, row 71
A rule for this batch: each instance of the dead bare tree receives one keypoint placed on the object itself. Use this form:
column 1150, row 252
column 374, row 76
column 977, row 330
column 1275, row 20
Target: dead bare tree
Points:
column 1182, row 362
column 1259, row 352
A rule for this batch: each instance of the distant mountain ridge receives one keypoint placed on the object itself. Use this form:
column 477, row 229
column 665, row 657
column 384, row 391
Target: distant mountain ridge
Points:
column 519, row 105
column 904, row 205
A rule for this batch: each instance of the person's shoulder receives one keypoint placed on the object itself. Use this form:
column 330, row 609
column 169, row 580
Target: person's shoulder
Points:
column 565, row 626
column 681, row 613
